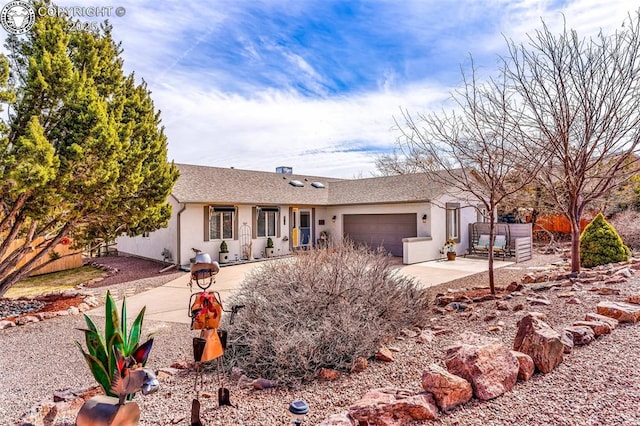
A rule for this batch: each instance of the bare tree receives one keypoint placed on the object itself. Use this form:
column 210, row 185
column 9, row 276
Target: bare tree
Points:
column 477, row 150
column 582, row 97
column 400, row 163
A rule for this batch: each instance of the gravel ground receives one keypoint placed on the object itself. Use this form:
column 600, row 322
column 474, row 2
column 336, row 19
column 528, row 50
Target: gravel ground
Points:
column 598, row 384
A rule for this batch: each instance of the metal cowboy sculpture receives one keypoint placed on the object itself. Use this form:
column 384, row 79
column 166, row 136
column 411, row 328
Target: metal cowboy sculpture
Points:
column 130, row 377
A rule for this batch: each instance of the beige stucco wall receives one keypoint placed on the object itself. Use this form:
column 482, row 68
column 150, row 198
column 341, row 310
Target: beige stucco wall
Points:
column 192, row 230
column 152, row 247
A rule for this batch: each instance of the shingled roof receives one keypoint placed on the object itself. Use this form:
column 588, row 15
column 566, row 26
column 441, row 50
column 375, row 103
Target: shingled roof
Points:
column 202, row 184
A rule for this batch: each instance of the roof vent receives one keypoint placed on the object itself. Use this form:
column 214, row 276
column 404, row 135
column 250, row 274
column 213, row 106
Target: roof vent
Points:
column 296, row 183
column 317, row 184
column 284, row 170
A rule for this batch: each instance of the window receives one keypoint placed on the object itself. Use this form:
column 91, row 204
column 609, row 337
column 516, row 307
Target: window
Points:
column 267, row 222
column 221, row 223
column 453, row 221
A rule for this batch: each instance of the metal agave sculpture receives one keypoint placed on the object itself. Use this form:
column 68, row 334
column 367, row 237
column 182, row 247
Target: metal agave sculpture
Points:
column 105, row 352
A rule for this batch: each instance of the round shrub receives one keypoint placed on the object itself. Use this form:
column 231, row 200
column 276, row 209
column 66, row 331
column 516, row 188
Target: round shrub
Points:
column 321, row 308
column 600, row 244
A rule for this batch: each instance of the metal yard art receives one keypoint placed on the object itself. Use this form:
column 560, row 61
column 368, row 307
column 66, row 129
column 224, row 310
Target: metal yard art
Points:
column 117, row 362
column 205, row 311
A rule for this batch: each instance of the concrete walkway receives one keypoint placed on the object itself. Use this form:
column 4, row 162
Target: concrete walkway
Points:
column 170, row 302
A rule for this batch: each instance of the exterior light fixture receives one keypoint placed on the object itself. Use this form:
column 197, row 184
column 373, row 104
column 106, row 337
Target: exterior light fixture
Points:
column 424, row 218
column 333, row 219
column 298, row 409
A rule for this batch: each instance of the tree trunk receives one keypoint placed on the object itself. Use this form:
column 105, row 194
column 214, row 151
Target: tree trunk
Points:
column 492, row 232
column 575, row 245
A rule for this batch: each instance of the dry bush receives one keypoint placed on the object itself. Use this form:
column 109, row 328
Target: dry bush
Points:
column 627, row 223
column 319, row 308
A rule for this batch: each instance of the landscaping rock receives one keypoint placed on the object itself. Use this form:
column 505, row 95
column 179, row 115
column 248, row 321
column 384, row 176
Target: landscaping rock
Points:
column 582, row 335
column 384, row 354
column 491, row 368
column 359, row 364
column 574, row 301
column 598, row 327
column 623, row 312
column 591, row 316
column 502, row 306
column 261, row 384
column 327, row 374
column 6, row 324
column 26, row 320
column 514, row 286
column 393, row 407
column 426, row 336
column 541, row 342
column 448, row 389
column 341, row 419
column 518, row 307
column 606, row 291
column 536, row 301
column 634, row 299
column 526, row 367
column 567, row 341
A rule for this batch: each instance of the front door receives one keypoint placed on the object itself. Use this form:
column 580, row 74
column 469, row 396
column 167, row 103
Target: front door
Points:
column 301, row 229
column 305, row 228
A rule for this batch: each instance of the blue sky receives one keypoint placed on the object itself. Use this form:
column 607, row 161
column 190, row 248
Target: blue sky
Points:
column 315, row 84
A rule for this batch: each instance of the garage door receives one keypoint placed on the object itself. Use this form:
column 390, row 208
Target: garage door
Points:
column 386, row 230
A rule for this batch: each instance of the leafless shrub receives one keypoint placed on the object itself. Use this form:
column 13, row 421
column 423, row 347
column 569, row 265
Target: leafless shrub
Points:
column 320, row 308
column 627, row 223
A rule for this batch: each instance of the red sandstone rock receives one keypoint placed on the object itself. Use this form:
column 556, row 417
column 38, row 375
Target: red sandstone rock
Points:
column 491, row 368
column 538, row 340
column 393, row 407
column 448, row 389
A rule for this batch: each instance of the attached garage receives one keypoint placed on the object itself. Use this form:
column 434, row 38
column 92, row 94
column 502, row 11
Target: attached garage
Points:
column 386, row 230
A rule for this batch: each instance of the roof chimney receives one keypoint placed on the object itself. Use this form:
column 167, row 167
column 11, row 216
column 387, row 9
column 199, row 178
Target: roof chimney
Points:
column 284, row 170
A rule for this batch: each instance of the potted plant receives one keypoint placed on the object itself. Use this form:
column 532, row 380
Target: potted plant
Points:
column 269, row 250
column 224, row 252
column 449, row 249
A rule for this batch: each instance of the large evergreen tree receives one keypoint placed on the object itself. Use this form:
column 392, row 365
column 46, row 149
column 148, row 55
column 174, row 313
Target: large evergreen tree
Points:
column 82, row 152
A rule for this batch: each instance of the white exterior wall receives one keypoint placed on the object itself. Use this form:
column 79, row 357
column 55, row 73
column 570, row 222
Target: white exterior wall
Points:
column 153, row 246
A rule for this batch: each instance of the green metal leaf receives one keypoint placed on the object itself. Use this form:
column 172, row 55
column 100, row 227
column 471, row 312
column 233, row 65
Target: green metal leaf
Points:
column 136, row 330
column 116, row 340
column 95, row 345
column 111, row 322
column 97, row 370
column 123, row 322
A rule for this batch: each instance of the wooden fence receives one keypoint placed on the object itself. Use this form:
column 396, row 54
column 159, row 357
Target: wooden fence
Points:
column 69, row 258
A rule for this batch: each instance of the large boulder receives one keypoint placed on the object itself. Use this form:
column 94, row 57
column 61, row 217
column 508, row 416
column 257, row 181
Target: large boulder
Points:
column 393, row 407
column 490, row 368
column 542, row 343
column 448, row 389
column 623, row 312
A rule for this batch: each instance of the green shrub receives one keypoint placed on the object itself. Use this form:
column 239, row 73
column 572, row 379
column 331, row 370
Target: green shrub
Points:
column 600, row 244
column 321, row 308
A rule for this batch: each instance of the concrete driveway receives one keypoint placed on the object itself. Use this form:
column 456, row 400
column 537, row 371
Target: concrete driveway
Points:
column 170, row 302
